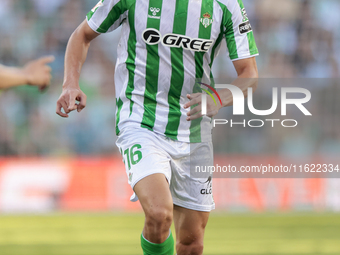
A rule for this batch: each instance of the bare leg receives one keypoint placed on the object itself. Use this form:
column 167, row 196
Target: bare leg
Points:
column 155, row 197
column 190, row 226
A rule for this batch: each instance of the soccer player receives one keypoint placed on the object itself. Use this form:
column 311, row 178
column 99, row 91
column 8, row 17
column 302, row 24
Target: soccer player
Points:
column 36, row 73
column 164, row 49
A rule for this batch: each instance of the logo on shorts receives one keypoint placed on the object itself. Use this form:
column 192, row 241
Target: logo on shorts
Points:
column 208, row 189
column 206, row 20
column 154, row 11
column 130, row 176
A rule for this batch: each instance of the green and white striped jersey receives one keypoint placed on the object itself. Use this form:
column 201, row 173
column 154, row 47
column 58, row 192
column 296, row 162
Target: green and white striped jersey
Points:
column 165, row 47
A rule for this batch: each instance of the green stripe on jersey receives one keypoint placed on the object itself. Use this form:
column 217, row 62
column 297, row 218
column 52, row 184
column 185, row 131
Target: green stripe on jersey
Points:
column 177, row 72
column 217, row 43
column 131, row 59
column 204, row 33
column 229, row 32
column 151, row 73
column 251, row 40
column 119, row 104
column 117, row 10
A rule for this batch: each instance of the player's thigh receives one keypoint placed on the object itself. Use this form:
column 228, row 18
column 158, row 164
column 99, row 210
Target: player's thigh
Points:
column 148, row 169
column 144, row 157
column 189, row 225
column 154, row 195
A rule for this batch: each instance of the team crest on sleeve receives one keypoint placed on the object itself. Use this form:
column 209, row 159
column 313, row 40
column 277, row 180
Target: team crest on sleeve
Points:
column 100, row 3
column 206, row 20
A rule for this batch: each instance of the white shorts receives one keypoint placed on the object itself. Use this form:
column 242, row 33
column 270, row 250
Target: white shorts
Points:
column 146, row 152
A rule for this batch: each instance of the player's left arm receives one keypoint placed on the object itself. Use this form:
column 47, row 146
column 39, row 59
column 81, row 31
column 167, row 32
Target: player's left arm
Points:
column 242, row 49
column 247, row 77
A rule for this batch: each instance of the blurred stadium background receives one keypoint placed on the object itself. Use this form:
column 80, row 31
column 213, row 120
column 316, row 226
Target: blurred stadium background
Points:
column 63, row 186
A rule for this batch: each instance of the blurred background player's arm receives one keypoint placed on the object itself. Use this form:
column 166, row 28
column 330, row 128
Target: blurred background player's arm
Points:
column 75, row 57
column 35, row 72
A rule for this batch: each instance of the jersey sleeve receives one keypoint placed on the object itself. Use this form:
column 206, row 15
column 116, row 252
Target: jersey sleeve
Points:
column 238, row 31
column 107, row 15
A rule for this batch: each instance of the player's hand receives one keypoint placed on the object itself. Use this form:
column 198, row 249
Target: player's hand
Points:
column 67, row 101
column 38, row 73
column 195, row 113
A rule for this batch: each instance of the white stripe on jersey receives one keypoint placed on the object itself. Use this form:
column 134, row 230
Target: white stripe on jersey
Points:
column 139, row 78
column 193, row 24
column 121, row 72
column 164, row 77
column 216, row 26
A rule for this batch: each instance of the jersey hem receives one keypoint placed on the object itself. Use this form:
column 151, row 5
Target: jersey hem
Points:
column 245, row 56
column 183, row 138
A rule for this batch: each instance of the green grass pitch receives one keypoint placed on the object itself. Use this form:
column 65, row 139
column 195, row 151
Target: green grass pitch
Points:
column 118, row 234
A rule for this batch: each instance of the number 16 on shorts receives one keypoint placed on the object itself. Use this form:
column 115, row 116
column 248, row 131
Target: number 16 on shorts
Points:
column 132, row 155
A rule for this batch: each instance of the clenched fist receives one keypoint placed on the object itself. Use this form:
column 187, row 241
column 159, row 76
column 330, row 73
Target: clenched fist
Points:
column 67, row 101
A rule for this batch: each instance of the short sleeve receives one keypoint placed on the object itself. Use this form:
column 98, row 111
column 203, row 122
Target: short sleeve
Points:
column 107, row 15
column 237, row 30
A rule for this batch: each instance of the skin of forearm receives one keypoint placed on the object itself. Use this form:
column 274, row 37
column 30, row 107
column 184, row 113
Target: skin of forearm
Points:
column 245, row 80
column 11, row 77
column 76, row 53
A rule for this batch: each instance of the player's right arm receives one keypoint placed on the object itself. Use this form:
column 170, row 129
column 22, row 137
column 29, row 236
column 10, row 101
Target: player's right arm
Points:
column 75, row 57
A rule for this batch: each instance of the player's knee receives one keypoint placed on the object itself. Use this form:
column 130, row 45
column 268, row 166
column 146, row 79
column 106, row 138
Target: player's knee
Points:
column 159, row 218
column 193, row 248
